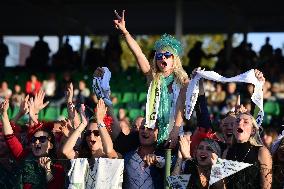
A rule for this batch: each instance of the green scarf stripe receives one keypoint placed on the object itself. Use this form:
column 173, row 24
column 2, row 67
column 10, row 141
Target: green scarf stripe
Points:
column 164, row 108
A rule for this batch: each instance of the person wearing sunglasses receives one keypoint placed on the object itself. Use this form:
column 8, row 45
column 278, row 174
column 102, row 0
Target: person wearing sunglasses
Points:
column 39, row 170
column 96, row 141
column 165, row 76
column 278, row 162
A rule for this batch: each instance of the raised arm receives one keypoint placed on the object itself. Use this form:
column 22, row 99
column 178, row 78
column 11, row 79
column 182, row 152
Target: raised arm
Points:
column 24, row 109
column 183, row 154
column 115, row 127
column 36, row 105
column 72, row 113
column 132, row 44
column 265, row 160
column 7, row 128
column 259, row 75
column 12, row 141
column 68, row 147
column 202, row 114
column 105, row 137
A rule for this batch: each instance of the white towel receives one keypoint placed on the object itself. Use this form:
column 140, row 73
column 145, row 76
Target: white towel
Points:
column 247, row 77
column 101, row 86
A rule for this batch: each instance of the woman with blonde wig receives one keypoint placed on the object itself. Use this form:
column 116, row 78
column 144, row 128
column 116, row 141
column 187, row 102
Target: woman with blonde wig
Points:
column 165, row 76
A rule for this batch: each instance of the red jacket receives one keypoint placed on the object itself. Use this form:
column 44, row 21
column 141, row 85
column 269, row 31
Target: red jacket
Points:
column 19, row 153
column 33, row 88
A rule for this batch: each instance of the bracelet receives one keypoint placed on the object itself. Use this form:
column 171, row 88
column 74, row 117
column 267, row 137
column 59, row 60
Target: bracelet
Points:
column 48, row 170
column 101, row 125
column 71, row 105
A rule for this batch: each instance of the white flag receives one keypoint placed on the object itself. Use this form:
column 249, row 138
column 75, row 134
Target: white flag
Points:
column 224, row 168
column 178, row 181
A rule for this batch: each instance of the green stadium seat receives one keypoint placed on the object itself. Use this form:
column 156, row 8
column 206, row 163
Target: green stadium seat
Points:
column 129, row 97
column 117, row 95
column 115, row 111
column 131, row 105
column 51, row 114
column 142, row 97
column 64, row 112
column 272, row 108
column 41, row 115
column 16, row 110
column 10, row 113
column 134, row 113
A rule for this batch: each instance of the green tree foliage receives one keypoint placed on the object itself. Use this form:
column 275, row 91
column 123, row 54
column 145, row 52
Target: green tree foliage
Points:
column 212, row 44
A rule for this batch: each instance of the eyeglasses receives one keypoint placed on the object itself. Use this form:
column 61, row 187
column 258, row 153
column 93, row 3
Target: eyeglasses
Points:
column 159, row 56
column 95, row 132
column 41, row 139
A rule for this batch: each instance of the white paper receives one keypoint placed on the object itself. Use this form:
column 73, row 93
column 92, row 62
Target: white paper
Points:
column 78, row 173
column 224, row 168
column 178, row 181
column 104, row 174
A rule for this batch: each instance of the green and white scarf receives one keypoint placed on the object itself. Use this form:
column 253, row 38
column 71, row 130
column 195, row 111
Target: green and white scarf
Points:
column 161, row 105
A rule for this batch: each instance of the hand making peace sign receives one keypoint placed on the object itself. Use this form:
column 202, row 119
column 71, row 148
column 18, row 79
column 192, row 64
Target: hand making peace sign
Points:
column 119, row 22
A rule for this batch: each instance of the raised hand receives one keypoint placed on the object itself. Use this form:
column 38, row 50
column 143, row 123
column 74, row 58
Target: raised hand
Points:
column 66, row 127
column 83, row 115
column 69, row 100
column 119, row 22
column 259, row 75
column 69, row 93
column 101, row 111
column 239, row 108
column 99, row 72
column 32, row 110
column 24, row 107
column 38, row 101
column 184, row 147
column 214, row 158
column 4, row 106
column 193, row 73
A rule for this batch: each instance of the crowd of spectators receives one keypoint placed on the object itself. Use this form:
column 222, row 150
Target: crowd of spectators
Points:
column 123, row 137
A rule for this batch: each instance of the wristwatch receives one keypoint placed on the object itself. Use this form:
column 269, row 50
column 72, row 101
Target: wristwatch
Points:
column 101, row 125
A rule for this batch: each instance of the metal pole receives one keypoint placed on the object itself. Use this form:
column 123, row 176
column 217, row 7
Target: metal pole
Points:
column 229, row 48
column 167, row 168
column 82, row 50
column 60, row 41
column 178, row 20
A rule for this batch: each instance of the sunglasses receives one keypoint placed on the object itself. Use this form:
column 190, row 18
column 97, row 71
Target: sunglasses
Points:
column 159, row 56
column 95, row 132
column 41, row 139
